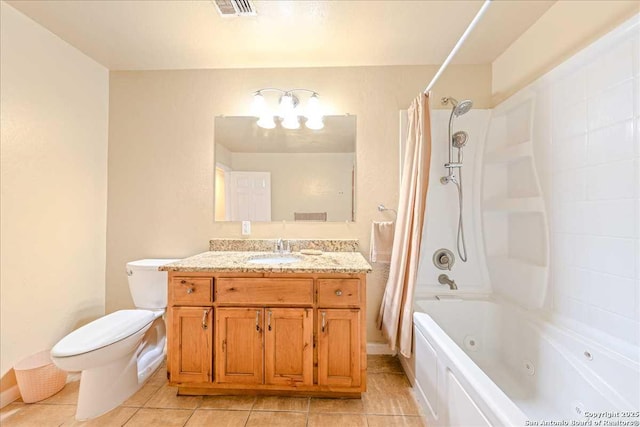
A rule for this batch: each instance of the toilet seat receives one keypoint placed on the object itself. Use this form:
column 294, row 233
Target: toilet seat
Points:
column 104, row 331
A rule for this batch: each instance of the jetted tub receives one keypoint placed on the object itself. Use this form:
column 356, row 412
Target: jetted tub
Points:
column 488, row 363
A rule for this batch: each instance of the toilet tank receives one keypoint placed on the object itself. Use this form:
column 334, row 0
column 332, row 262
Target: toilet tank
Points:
column 147, row 285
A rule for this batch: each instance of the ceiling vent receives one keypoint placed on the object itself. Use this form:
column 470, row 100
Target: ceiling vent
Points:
column 235, row 7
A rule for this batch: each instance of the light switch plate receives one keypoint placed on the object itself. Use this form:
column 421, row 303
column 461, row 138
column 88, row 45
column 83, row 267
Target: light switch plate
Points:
column 246, row 228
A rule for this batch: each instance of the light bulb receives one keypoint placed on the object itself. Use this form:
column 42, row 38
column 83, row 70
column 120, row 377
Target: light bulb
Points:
column 315, row 120
column 290, row 110
column 266, row 122
column 313, row 106
column 259, row 105
column 286, row 105
column 291, row 122
column 316, row 123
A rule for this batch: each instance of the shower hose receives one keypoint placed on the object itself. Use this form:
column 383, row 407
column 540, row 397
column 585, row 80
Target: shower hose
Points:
column 460, row 237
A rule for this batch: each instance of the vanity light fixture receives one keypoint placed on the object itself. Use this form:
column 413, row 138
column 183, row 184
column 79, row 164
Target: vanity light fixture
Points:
column 288, row 109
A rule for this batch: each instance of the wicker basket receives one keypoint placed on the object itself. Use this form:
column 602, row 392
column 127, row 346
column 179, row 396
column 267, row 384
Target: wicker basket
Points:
column 38, row 378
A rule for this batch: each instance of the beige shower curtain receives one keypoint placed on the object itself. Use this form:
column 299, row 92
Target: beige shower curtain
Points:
column 395, row 317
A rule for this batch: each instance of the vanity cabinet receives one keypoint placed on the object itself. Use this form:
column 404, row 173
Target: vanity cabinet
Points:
column 189, row 321
column 278, row 337
column 339, row 347
column 274, row 333
column 339, row 326
column 289, row 346
column 280, row 340
column 239, row 345
column 191, row 344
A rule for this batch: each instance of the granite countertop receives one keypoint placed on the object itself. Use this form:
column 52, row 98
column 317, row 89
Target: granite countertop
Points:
column 237, row 261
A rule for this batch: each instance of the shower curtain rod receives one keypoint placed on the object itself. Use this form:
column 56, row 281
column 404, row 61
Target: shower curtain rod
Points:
column 458, row 45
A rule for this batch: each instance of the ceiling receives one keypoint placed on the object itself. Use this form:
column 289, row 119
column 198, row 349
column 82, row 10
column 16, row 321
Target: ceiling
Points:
column 187, row 34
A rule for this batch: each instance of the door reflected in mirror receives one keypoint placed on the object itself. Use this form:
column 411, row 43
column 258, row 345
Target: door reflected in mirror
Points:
column 284, row 174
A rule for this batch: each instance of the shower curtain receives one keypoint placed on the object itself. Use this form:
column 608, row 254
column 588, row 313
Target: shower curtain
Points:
column 395, row 317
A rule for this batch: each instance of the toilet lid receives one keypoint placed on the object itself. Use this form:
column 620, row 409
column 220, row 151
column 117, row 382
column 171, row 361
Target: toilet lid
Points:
column 102, row 332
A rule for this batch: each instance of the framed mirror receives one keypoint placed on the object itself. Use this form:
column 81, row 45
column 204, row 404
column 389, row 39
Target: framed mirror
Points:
column 284, row 174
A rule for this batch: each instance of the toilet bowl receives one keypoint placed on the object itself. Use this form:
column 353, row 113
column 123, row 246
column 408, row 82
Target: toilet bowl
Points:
column 118, row 352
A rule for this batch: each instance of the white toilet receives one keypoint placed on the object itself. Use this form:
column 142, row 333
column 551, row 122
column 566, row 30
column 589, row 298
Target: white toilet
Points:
column 118, row 352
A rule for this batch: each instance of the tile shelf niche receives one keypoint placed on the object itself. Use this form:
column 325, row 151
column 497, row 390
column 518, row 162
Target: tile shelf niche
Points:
column 514, row 220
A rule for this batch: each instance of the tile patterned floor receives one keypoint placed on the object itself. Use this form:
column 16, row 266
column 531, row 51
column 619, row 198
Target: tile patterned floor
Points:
column 389, row 402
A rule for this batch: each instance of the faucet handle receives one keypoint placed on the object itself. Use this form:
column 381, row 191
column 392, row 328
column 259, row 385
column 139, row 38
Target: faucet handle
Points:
column 444, row 260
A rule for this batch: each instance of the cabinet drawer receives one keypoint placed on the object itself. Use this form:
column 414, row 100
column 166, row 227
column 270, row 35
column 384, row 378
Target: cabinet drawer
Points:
column 190, row 291
column 264, row 291
column 338, row 292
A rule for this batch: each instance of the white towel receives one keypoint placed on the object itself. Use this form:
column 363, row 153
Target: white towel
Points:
column 381, row 241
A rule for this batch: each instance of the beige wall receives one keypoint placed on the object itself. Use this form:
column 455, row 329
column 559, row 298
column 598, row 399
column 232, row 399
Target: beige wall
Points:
column 567, row 27
column 54, row 107
column 161, row 154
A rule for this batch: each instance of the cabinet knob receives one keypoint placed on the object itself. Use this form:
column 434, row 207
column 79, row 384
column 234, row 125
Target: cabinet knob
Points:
column 190, row 287
column 338, row 292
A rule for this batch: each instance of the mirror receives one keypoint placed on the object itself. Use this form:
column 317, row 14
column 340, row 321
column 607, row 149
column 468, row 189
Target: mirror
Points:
column 284, row 174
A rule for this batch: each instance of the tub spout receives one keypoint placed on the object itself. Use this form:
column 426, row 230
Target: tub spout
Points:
column 443, row 279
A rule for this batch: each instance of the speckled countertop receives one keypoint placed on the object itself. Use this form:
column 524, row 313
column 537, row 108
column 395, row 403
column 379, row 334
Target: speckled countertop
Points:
column 232, row 261
column 327, row 245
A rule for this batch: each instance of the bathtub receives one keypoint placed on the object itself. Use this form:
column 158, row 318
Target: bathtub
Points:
column 489, row 363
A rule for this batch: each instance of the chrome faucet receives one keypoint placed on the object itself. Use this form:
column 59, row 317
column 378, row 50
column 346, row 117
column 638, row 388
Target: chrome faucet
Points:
column 281, row 247
column 443, row 279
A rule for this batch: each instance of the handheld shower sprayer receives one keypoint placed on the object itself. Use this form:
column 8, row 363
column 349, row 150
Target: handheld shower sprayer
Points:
column 459, row 140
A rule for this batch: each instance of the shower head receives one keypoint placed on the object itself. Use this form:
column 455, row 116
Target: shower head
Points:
column 459, row 139
column 459, row 108
column 463, row 107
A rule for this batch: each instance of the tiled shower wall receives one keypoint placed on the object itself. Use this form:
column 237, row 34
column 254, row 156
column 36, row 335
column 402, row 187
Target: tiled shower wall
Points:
column 594, row 111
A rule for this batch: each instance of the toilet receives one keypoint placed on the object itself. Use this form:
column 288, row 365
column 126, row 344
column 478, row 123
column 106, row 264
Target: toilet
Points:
column 118, row 352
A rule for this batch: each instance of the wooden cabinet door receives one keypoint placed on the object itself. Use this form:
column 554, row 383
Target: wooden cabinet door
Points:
column 289, row 346
column 190, row 345
column 239, row 345
column 339, row 347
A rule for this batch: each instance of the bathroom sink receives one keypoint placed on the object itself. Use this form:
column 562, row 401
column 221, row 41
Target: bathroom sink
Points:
column 274, row 259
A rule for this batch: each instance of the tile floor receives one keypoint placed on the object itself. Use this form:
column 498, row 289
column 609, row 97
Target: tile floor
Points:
column 389, row 402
